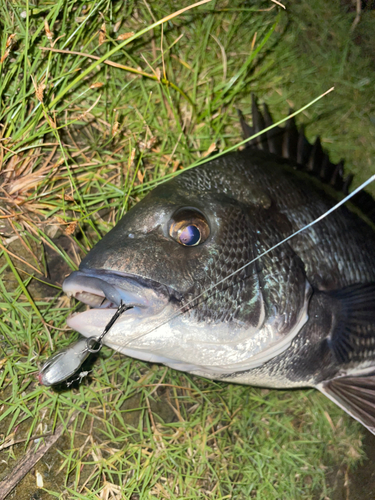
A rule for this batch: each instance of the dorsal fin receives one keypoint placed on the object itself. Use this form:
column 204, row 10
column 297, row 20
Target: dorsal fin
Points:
column 291, row 143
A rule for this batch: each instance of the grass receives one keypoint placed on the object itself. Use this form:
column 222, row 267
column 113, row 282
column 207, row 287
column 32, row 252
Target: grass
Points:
column 81, row 142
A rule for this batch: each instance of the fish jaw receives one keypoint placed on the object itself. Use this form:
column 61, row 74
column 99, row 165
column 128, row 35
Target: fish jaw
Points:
column 104, row 291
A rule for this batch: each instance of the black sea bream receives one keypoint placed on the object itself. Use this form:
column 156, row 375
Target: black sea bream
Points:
column 301, row 315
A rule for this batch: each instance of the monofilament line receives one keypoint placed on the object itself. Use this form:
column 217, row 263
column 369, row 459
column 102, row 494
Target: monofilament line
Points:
column 315, row 221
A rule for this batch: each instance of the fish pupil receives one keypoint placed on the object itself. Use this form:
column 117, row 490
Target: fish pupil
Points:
column 190, row 236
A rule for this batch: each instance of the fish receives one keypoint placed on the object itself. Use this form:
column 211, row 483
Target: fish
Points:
column 212, row 290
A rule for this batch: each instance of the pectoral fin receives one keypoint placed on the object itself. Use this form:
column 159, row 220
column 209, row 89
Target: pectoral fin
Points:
column 355, row 395
column 352, row 339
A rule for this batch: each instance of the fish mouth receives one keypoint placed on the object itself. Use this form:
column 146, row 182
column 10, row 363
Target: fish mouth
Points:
column 104, row 291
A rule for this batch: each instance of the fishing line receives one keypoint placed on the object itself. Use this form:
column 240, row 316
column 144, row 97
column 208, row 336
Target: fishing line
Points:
column 210, row 288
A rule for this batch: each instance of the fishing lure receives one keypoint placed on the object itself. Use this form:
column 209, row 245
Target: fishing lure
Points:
column 65, row 364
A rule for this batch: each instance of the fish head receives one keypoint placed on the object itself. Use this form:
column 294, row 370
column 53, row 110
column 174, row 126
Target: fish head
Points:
column 171, row 258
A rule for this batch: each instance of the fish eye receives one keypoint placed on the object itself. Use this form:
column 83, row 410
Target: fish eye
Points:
column 189, row 227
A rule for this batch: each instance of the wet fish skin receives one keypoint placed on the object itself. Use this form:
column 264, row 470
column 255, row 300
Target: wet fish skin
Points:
column 302, row 315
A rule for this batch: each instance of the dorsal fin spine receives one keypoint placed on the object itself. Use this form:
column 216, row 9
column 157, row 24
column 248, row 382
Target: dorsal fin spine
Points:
column 291, row 143
column 294, row 146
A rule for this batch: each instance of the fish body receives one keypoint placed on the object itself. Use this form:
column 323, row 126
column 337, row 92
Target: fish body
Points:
column 191, row 261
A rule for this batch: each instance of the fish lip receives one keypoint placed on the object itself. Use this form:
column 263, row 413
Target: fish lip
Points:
column 102, row 288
